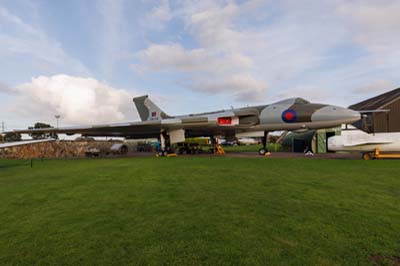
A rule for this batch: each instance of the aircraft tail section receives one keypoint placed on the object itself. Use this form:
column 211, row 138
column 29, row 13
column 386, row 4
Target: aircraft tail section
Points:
column 148, row 110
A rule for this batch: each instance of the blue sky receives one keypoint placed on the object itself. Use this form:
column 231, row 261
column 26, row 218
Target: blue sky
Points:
column 85, row 60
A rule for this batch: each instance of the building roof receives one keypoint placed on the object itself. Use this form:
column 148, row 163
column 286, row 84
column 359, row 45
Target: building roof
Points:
column 377, row 102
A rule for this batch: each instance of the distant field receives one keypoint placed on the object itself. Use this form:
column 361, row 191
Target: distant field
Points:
column 199, row 211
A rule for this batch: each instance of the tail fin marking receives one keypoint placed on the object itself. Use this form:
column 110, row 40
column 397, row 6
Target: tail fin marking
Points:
column 148, row 110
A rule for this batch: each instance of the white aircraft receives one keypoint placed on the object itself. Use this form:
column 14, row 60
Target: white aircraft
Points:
column 355, row 140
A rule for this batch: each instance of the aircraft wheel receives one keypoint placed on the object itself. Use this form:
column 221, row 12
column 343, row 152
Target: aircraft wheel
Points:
column 367, row 156
column 262, row 151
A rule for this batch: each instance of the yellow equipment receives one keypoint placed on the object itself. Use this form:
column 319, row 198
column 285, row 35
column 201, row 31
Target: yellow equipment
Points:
column 377, row 155
column 219, row 150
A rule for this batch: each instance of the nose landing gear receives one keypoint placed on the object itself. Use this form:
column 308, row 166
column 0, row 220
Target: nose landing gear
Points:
column 264, row 150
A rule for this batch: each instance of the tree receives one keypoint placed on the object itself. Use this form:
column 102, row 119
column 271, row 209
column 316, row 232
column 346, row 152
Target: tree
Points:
column 8, row 137
column 37, row 136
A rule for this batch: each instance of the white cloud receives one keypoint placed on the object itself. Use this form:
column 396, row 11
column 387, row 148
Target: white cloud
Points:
column 219, row 65
column 243, row 87
column 78, row 100
column 213, row 27
column 4, row 88
column 375, row 87
column 162, row 12
column 209, row 72
column 375, row 25
column 158, row 16
column 274, row 53
column 327, row 46
column 159, row 57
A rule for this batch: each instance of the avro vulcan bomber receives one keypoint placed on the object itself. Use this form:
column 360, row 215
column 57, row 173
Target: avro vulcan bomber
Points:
column 291, row 114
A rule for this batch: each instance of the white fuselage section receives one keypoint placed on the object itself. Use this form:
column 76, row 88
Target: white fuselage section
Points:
column 359, row 141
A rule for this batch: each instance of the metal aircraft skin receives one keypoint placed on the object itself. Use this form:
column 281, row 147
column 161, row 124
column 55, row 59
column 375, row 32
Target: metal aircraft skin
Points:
column 22, row 143
column 355, row 140
column 291, row 114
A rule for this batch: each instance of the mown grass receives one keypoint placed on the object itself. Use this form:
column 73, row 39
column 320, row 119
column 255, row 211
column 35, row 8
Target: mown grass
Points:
column 199, row 211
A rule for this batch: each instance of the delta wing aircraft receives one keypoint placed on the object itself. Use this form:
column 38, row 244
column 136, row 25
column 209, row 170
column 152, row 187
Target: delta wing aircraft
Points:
column 291, row 114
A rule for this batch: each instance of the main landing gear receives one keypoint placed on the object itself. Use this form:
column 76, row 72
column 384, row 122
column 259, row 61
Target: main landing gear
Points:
column 264, row 150
column 216, row 148
column 165, row 149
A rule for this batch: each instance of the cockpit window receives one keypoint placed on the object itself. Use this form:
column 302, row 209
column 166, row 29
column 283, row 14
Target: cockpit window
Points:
column 301, row 101
column 293, row 101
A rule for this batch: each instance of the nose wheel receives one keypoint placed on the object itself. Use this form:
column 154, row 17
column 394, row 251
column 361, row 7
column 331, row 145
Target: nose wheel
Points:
column 262, row 151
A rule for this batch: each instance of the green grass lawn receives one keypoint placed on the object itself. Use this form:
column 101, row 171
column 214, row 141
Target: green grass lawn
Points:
column 199, row 211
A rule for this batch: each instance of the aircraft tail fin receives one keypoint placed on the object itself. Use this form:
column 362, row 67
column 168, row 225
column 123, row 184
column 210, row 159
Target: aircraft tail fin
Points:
column 148, row 110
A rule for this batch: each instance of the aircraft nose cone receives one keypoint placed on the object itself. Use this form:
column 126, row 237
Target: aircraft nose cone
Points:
column 336, row 114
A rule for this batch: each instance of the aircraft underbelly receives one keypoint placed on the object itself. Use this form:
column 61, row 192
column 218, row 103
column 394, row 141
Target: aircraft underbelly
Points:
column 297, row 126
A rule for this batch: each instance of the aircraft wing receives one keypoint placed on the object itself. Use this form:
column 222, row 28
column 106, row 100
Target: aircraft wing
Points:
column 143, row 129
column 129, row 129
column 204, row 124
column 21, row 143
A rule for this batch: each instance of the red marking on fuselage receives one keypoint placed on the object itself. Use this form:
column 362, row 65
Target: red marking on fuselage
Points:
column 289, row 116
column 224, row 120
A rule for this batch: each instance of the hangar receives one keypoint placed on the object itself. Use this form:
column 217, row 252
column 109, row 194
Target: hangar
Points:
column 382, row 113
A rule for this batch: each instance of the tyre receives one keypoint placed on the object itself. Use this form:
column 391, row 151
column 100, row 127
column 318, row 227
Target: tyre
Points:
column 367, row 156
column 262, row 151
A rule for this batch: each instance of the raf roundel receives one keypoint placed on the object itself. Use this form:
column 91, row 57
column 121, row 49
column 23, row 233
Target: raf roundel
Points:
column 289, row 116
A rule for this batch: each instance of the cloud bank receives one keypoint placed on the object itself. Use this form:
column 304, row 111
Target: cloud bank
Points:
column 19, row 38
column 278, row 48
column 219, row 65
column 78, row 100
